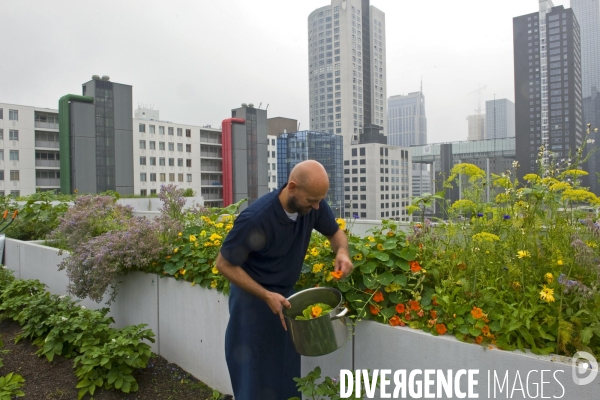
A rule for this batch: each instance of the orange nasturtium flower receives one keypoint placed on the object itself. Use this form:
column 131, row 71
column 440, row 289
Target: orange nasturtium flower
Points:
column 374, row 309
column 337, row 274
column 414, row 305
column 395, row 320
column 415, row 266
column 479, row 339
column 440, row 329
column 400, row 308
column 433, row 314
column 315, row 312
column 485, row 330
column 378, row 297
column 476, row 312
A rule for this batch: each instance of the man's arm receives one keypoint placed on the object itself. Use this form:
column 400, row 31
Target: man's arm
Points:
column 339, row 245
column 240, row 278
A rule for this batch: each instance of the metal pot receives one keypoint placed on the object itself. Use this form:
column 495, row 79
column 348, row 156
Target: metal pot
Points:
column 322, row 335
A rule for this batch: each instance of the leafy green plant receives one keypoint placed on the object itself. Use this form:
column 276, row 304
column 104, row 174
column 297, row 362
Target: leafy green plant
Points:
column 327, row 388
column 16, row 295
column 10, row 386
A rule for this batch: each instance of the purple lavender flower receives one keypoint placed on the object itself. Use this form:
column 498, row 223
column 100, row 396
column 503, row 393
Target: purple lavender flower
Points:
column 506, row 216
column 479, row 215
column 355, row 216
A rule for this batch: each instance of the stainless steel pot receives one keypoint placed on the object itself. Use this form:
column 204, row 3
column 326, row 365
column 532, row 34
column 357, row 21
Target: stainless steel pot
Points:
column 319, row 336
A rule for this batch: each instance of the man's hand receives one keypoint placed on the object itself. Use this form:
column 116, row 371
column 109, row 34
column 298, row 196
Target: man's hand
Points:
column 276, row 302
column 343, row 264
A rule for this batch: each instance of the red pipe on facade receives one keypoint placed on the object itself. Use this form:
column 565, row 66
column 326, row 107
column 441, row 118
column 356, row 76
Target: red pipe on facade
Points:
column 227, row 152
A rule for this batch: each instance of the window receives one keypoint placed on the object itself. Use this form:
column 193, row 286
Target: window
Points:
column 15, row 193
column 179, row 146
column 143, row 177
column 14, row 175
column 13, row 135
column 152, row 145
column 179, row 132
column 1, row 155
column 171, row 162
column 142, row 144
column 142, row 160
column 180, row 177
column 170, row 131
column 188, row 133
column 152, row 160
column 1, row 133
column 188, row 148
column 171, row 177
column 188, row 163
column 161, row 145
column 189, row 177
column 163, row 177
column 1, row 113
column 142, row 128
column 161, row 161
column 152, row 177
column 171, row 146
column 161, row 130
column 13, row 115
column 152, row 128
column 14, row 155
column 180, row 162
column 1, row 175
column 143, row 192
column 152, row 192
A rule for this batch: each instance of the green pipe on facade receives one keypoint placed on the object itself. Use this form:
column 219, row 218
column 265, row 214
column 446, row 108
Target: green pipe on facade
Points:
column 64, row 138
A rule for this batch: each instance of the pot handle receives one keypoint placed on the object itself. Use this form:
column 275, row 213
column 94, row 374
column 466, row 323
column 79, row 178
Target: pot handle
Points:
column 341, row 314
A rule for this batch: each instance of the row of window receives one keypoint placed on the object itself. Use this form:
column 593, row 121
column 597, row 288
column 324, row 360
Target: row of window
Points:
column 163, row 177
column 12, row 134
column 13, row 115
column 14, row 175
column 161, row 130
column 161, row 146
column 161, row 161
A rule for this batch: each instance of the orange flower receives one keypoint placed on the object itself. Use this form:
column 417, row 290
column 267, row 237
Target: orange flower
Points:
column 433, row 301
column 378, row 297
column 433, row 314
column 462, row 266
column 374, row 309
column 415, row 266
column 420, row 245
column 479, row 339
column 419, row 226
column 390, row 233
column 476, row 312
column 316, row 312
column 400, row 308
column 337, row 274
column 440, row 329
column 414, row 305
column 369, row 290
column 485, row 330
column 395, row 321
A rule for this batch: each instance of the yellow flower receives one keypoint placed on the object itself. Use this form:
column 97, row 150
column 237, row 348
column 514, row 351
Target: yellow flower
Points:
column 217, row 242
column 219, row 225
column 314, row 251
column 523, row 254
column 547, row 294
column 341, row 223
column 326, row 243
column 370, row 238
column 214, row 270
column 485, row 237
column 182, row 271
column 317, row 268
column 306, row 257
column 329, row 277
column 549, row 277
column 379, row 247
column 516, row 285
column 179, row 234
column 532, row 178
column 215, row 236
column 207, row 244
column 358, row 257
column 393, row 287
column 193, row 238
column 203, row 234
column 214, row 283
column 196, row 244
column 228, row 227
column 591, row 244
column 175, row 249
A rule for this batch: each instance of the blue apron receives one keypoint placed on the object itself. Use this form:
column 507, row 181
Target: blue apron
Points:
column 258, row 350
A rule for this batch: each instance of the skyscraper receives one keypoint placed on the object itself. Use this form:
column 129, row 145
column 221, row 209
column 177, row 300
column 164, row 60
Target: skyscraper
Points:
column 548, row 101
column 407, row 123
column 347, row 78
column 476, row 127
column 500, row 119
column 588, row 16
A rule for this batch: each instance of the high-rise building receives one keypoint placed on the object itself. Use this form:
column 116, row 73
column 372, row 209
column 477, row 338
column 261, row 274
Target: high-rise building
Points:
column 407, row 123
column 499, row 119
column 272, row 162
column 29, row 155
column 278, row 125
column 96, row 138
column 347, row 73
column 476, row 127
column 588, row 16
column 325, row 148
column 548, row 99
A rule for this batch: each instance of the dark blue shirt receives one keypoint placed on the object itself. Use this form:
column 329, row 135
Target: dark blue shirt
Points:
column 271, row 247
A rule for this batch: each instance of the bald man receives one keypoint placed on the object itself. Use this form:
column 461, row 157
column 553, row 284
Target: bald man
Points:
column 262, row 257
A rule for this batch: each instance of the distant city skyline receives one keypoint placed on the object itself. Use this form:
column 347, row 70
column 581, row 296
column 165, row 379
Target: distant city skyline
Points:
column 178, row 55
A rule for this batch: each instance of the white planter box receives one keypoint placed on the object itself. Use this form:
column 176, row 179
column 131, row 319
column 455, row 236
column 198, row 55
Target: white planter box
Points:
column 189, row 323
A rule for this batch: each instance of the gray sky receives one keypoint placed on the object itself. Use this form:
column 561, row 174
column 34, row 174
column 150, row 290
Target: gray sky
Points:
column 196, row 60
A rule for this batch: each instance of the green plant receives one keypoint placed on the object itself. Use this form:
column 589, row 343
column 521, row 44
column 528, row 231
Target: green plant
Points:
column 16, row 295
column 10, row 386
column 328, row 388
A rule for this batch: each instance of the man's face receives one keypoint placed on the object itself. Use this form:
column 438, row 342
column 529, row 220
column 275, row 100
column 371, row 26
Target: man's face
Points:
column 302, row 201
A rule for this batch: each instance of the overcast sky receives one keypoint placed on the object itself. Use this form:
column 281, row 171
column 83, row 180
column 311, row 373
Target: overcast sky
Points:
column 196, row 60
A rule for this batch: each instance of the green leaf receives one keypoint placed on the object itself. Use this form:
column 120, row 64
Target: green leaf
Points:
column 402, row 264
column 386, row 278
column 464, row 329
column 495, row 326
column 389, row 244
column 586, row 335
column 369, row 267
column 370, row 281
column 344, row 286
column 408, row 253
column 388, row 312
column 381, row 256
column 170, row 268
column 400, row 280
column 475, row 331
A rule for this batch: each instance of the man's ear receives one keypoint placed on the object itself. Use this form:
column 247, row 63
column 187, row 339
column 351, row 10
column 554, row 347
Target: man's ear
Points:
column 292, row 186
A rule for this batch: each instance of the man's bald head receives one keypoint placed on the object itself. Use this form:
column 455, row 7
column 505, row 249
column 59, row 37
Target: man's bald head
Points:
column 310, row 174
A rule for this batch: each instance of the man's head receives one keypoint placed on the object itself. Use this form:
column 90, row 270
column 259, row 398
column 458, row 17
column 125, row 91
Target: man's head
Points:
column 307, row 186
